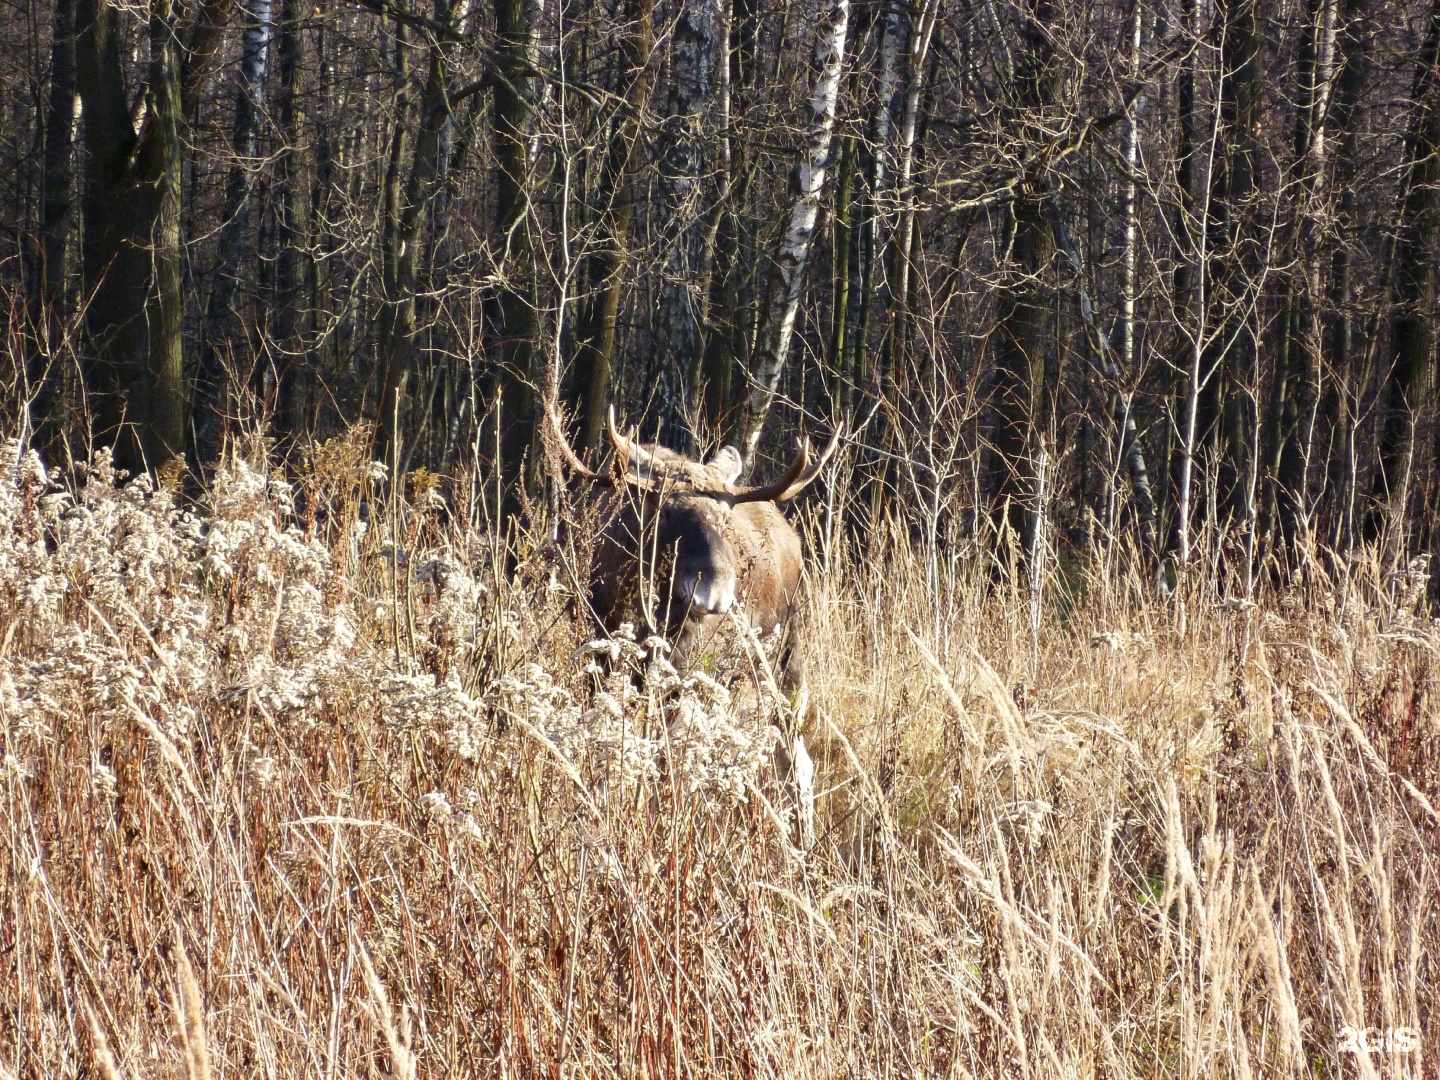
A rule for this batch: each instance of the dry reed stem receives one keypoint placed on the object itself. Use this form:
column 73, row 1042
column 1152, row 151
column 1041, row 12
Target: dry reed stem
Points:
column 190, row 1015
column 100, row 1047
column 397, row 1039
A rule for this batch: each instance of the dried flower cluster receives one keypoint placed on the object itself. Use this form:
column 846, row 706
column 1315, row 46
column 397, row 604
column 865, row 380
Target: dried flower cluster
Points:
column 244, row 605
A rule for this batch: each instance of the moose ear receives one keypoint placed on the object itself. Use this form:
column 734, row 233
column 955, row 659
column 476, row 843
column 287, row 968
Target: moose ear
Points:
column 727, row 463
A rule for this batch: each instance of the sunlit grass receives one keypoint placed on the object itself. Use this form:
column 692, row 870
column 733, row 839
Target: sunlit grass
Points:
column 358, row 770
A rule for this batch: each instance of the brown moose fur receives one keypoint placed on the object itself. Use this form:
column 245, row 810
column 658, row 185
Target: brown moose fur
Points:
column 676, row 536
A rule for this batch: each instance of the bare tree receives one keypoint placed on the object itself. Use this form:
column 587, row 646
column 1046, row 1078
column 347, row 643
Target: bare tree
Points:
column 132, row 220
column 807, row 181
column 57, row 179
column 284, row 372
column 683, row 163
column 1024, row 328
column 606, row 263
column 1411, row 342
column 1296, row 419
column 211, row 406
column 56, row 218
column 516, row 321
column 406, row 207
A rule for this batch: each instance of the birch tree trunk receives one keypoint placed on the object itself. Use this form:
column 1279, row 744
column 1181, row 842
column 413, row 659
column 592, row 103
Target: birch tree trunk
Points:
column 787, row 280
column 1185, row 280
column 1122, row 400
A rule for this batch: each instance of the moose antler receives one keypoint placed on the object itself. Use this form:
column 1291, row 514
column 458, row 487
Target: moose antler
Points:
column 800, row 473
column 627, row 452
column 562, row 444
column 631, row 459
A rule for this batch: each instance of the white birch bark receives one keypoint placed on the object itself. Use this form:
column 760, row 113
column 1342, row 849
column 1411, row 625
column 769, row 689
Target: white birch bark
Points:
column 1198, row 376
column 1132, row 194
column 1127, row 438
column 807, row 182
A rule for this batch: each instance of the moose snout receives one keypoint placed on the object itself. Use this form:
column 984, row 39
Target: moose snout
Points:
column 705, row 587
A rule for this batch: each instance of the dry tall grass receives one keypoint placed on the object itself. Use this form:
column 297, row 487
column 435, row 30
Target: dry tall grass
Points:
column 289, row 793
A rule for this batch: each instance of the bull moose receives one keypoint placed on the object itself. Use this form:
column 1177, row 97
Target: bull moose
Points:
column 684, row 543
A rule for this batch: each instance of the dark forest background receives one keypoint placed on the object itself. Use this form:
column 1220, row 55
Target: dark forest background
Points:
column 1154, row 277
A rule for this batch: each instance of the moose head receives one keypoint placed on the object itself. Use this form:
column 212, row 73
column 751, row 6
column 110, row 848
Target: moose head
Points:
column 684, row 542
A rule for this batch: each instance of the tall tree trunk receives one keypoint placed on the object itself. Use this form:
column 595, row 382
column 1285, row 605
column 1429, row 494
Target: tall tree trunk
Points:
column 1025, row 330
column 287, row 358
column 1411, row 336
column 329, row 137
column 728, row 333
column 131, row 263
column 56, row 215
column 901, row 245
column 842, row 247
column 1298, row 418
column 405, row 216
column 872, row 229
column 683, row 163
column 806, row 183
column 163, row 415
column 604, row 270
column 516, row 322
column 1229, row 399
column 1122, row 397
column 59, row 152
column 1342, row 395
column 1219, row 407
column 396, row 51
column 221, row 317
column 1184, row 283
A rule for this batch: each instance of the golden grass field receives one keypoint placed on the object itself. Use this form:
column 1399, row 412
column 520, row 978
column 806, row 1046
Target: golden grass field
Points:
column 276, row 802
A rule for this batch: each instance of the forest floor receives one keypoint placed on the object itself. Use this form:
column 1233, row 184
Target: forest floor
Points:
column 321, row 783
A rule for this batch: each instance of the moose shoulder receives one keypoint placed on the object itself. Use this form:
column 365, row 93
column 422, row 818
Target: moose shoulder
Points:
column 683, row 543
